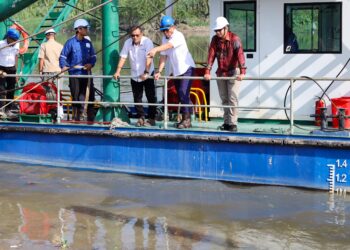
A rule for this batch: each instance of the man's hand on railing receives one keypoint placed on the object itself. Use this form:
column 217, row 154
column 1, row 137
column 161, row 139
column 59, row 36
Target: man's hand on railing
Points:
column 207, row 77
column 2, row 74
column 116, row 75
column 240, row 77
column 157, row 75
column 144, row 76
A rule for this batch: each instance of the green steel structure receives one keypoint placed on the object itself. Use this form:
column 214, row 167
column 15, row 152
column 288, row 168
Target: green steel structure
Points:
column 58, row 13
column 11, row 7
column 111, row 88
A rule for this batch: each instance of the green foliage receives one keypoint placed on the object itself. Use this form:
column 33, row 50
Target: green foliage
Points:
column 31, row 16
column 191, row 12
column 305, row 23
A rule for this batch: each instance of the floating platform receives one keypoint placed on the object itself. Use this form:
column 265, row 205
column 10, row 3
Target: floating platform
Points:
column 269, row 156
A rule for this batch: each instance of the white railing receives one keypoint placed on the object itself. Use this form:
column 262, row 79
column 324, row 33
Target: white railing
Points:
column 166, row 105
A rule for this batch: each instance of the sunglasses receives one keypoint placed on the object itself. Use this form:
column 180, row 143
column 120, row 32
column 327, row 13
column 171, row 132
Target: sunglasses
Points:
column 135, row 35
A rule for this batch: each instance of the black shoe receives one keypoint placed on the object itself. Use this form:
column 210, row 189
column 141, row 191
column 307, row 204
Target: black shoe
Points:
column 223, row 127
column 184, row 124
column 232, row 128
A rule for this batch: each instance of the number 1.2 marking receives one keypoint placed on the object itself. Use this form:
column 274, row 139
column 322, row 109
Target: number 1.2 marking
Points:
column 340, row 178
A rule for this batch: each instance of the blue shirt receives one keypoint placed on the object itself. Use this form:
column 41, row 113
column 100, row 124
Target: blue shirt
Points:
column 77, row 53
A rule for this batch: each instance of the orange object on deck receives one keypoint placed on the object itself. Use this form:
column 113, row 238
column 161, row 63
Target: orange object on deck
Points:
column 24, row 34
column 196, row 85
column 342, row 102
column 318, row 105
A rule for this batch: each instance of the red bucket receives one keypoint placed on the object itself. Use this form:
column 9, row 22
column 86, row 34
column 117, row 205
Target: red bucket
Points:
column 342, row 102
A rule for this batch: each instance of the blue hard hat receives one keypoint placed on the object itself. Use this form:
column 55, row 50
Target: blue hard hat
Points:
column 13, row 34
column 166, row 22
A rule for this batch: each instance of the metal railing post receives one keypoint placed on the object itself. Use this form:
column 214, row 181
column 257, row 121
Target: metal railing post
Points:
column 165, row 122
column 58, row 101
column 291, row 115
column 292, row 81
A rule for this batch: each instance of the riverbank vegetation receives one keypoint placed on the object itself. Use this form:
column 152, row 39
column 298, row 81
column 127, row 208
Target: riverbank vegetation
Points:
column 192, row 13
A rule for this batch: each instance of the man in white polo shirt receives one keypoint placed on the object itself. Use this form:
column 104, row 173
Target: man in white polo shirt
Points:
column 174, row 48
column 8, row 61
column 136, row 48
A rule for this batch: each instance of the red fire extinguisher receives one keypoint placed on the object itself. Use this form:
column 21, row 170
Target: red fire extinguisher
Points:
column 320, row 103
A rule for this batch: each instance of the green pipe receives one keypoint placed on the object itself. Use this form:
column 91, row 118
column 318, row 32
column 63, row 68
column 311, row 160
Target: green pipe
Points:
column 111, row 88
column 3, row 29
column 11, row 7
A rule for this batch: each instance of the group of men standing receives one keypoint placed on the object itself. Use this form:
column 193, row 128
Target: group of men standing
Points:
column 225, row 46
column 78, row 57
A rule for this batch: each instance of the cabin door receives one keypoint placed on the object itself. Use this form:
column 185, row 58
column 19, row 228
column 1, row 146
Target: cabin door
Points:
column 242, row 16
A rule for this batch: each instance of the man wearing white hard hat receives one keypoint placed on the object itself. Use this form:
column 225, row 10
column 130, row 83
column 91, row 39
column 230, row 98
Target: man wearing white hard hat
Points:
column 227, row 48
column 49, row 55
column 78, row 57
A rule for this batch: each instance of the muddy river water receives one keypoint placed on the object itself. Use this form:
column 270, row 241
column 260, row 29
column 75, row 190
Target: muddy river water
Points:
column 54, row 208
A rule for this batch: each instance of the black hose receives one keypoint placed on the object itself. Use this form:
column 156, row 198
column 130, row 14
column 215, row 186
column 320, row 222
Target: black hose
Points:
column 324, row 93
column 285, row 111
column 336, row 77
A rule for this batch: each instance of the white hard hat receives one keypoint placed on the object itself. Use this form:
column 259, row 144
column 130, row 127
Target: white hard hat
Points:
column 81, row 23
column 220, row 23
column 50, row 31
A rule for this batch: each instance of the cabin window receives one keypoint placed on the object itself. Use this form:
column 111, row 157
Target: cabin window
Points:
column 242, row 16
column 312, row 28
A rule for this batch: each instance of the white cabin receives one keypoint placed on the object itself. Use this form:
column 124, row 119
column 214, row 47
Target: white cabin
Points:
column 322, row 31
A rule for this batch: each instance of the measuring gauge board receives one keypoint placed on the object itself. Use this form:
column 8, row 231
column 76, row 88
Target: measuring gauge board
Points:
column 338, row 179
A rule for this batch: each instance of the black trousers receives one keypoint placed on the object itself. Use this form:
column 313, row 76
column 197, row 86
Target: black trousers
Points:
column 7, row 83
column 77, row 88
column 150, row 89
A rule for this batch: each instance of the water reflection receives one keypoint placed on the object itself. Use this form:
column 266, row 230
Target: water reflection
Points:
column 48, row 208
column 79, row 227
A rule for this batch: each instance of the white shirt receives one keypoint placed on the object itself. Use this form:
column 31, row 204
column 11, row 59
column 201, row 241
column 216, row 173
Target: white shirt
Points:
column 8, row 54
column 179, row 56
column 137, row 56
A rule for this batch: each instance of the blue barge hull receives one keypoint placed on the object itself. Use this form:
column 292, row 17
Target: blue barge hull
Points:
column 299, row 161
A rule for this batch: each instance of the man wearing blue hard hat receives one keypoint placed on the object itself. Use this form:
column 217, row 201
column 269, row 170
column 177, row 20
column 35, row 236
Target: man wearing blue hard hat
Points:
column 9, row 51
column 78, row 57
column 174, row 48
